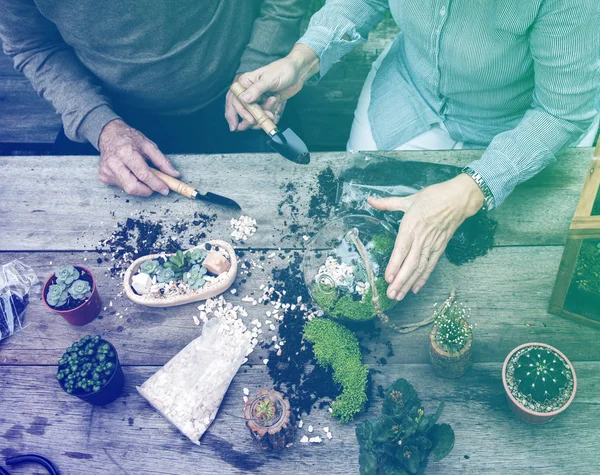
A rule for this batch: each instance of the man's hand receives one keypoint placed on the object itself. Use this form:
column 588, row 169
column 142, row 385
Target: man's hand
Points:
column 123, row 155
column 281, row 79
column 431, row 217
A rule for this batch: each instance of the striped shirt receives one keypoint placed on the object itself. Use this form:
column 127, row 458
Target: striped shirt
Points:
column 517, row 76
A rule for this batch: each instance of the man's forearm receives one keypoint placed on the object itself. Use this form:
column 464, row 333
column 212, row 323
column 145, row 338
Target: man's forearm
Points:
column 39, row 52
column 274, row 33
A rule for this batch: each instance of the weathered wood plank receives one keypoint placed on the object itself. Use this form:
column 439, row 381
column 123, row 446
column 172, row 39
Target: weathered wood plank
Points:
column 509, row 302
column 58, row 203
column 128, row 436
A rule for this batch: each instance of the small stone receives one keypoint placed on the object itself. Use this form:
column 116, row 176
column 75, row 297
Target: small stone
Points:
column 265, row 361
column 245, row 398
column 315, row 440
column 310, row 429
column 326, row 429
column 329, row 435
column 196, row 320
column 246, row 391
column 304, row 440
column 300, row 424
column 141, row 283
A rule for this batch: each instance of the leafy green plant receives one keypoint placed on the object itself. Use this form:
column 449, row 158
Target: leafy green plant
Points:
column 80, row 290
column 68, row 288
column 166, row 275
column 195, row 277
column 150, row 267
column 453, row 327
column 86, row 366
column 178, row 263
column 58, row 295
column 336, row 347
column 402, row 439
column 540, row 374
column 66, row 275
column 197, row 256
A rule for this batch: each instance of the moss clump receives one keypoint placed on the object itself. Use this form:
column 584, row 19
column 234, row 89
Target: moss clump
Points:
column 383, row 245
column 346, row 308
column 587, row 271
column 337, row 348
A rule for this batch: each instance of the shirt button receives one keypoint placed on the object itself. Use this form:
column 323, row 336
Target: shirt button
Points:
column 443, row 10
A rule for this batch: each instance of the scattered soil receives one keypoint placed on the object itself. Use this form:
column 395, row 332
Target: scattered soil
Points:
column 137, row 237
column 295, row 373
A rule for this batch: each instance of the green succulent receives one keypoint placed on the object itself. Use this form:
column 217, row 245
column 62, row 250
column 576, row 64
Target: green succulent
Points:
column 401, row 440
column 150, row 267
column 165, row 275
column 80, row 290
column 541, row 374
column 197, row 256
column 66, row 275
column 195, row 277
column 336, row 347
column 57, row 295
column 86, row 366
column 178, row 263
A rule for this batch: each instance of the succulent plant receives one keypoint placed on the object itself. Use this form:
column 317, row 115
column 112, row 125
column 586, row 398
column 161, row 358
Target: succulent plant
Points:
column 541, row 374
column 86, row 366
column 401, row 440
column 453, row 328
column 195, row 276
column 66, row 275
column 80, row 290
column 57, row 295
column 165, row 275
column 178, row 263
column 197, row 256
column 150, row 267
column 265, row 410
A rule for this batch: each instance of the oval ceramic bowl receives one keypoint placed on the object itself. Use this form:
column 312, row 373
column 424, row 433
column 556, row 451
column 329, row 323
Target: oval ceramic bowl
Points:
column 203, row 294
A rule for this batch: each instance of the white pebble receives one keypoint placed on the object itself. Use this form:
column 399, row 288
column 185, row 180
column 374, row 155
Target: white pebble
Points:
column 315, row 440
column 266, row 360
column 304, row 440
column 300, row 424
column 246, row 391
column 196, row 320
column 326, row 429
column 310, row 429
column 329, row 435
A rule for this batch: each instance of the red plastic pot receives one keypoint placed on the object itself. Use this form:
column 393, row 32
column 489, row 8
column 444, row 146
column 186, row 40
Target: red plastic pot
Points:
column 86, row 312
column 522, row 412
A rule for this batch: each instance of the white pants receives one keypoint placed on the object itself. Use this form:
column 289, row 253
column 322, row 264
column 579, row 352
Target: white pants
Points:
column 436, row 138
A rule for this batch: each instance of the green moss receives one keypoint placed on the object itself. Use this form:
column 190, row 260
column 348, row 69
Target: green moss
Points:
column 383, row 245
column 337, row 348
column 587, row 271
column 346, row 308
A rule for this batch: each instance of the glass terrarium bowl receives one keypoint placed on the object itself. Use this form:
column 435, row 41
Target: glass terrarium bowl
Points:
column 338, row 278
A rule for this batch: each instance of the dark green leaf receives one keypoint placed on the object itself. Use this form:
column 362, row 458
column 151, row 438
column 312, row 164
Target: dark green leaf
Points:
column 442, row 438
column 367, row 462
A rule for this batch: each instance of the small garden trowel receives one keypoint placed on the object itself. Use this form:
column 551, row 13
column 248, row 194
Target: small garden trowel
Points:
column 286, row 143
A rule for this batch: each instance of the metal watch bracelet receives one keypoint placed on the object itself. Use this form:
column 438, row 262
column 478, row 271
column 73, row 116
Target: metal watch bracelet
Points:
column 488, row 197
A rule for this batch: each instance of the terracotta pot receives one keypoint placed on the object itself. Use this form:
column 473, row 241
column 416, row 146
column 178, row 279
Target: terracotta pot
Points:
column 87, row 311
column 111, row 390
column 449, row 365
column 524, row 413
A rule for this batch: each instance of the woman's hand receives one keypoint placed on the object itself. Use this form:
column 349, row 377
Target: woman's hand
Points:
column 273, row 84
column 432, row 215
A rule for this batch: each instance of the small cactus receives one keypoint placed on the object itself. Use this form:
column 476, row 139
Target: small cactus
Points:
column 540, row 374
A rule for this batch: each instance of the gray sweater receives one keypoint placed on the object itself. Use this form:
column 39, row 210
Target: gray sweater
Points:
column 164, row 56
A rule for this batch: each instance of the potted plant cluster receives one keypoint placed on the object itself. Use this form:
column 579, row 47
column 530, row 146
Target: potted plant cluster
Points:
column 269, row 419
column 402, row 439
column 71, row 292
column 90, row 370
column 450, row 340
column 540, row 382
column 182, row 277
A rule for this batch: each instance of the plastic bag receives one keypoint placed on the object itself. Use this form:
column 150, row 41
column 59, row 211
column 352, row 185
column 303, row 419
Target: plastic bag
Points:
column 189, row 389
column 16, row 282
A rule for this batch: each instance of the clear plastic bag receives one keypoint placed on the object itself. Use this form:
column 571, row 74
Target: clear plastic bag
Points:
column 188, row 390
column 16, row 283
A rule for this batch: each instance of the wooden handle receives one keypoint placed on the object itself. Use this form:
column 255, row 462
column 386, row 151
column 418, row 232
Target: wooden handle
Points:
column 262, row 119
column 175, row 185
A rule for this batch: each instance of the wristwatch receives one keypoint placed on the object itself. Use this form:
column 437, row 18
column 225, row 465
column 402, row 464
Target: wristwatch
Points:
column 488, row 197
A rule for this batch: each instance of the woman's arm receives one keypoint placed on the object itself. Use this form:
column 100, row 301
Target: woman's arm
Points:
column 332, row 33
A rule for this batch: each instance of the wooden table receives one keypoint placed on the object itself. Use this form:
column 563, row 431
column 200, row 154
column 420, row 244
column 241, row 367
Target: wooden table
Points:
column 54, row 211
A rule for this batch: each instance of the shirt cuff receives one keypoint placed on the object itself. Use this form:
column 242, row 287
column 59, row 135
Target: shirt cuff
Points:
column 499, row 174
column 93, row 123
column 330, row 45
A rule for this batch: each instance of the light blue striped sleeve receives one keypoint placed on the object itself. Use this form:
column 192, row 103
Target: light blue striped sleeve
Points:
column 341, row 25
column 565, row 45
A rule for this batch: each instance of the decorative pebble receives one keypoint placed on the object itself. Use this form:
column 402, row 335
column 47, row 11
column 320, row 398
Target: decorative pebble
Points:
column 310, row 429
column 315, row 440
column 304, row 440
column 242, row 228
column 246, row 391
column 300, row 424
column 196, row 320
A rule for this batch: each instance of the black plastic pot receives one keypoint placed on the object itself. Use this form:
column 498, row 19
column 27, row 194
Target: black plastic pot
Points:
column 111, row 390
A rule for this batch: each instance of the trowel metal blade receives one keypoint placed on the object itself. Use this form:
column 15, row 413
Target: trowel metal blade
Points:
column 291, row 146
